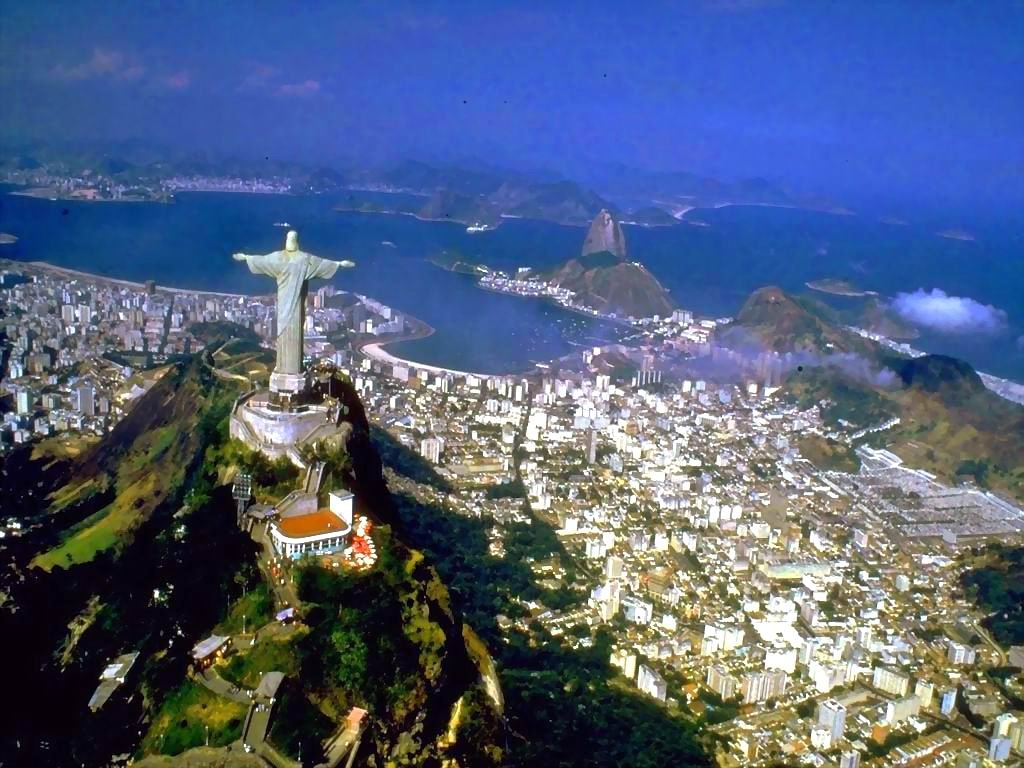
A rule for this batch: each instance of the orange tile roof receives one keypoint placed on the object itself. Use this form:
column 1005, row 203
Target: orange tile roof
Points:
column 313, row 524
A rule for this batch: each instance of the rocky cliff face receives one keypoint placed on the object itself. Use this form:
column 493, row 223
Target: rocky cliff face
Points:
column 605, row 234
column 450, row 688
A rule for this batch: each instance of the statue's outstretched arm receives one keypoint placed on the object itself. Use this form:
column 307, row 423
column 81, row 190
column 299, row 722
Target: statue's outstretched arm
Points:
column 324, row 268
column 259, row 263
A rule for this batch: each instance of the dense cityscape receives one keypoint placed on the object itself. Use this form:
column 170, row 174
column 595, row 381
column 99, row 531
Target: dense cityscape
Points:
column 807, row 615
column 512, row 385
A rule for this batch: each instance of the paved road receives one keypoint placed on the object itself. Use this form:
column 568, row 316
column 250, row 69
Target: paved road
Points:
column 222, row 687
column 990, row 641
column 259, row 724
column 284, row 593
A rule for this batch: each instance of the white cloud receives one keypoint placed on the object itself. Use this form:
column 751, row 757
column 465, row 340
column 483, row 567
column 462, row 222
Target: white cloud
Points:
column 103, row 64
column 269, row 79
column 938, row 310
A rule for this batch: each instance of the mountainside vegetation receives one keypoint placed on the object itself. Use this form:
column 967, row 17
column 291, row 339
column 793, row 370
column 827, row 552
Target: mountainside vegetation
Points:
column 949, row 422
column 153, row 584
column 118, row 483
column 780, row 322
column 995, row 579
column 386, row 640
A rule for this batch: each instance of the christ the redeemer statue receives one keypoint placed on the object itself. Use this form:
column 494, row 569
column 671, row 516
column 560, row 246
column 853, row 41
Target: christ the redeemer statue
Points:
column 293, row 269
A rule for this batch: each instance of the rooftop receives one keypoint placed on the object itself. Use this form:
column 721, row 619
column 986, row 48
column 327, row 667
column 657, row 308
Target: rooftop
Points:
column 312, row 524
column 210, row 645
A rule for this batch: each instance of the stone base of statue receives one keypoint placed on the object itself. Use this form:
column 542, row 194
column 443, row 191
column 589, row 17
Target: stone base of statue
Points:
column 291, row 384
column 277, row 426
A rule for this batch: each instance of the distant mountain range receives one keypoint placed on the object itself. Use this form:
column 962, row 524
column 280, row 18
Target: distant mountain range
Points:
column 470, row 195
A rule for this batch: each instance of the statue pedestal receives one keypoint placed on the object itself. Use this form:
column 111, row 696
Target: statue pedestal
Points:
column 262, row 423
column 291, row 384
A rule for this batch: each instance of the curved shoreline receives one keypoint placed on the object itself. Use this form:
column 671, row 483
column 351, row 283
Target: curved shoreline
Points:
column 372, row 349
column 375, row 351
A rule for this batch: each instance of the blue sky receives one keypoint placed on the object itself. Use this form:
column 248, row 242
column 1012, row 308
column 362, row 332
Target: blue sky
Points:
column 867, row 99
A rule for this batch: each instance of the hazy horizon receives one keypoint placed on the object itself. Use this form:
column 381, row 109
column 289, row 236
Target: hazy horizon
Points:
column 854, row 102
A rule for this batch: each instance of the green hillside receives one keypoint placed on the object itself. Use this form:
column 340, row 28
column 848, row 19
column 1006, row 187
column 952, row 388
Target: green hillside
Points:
column 950, row 424
column 117, row 484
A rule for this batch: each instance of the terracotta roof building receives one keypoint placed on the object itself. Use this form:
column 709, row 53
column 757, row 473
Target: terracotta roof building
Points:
column 322, row 532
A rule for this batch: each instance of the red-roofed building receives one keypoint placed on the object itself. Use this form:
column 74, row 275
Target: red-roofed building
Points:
column 323, row 532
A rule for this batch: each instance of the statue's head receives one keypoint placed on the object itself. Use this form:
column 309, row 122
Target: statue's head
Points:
column 291, row 242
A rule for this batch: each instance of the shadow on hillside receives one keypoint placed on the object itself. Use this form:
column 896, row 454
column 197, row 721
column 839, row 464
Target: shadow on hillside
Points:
column 561, row 707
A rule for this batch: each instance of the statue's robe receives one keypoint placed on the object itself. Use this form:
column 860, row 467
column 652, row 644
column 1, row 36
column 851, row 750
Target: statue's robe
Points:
column 293, row 270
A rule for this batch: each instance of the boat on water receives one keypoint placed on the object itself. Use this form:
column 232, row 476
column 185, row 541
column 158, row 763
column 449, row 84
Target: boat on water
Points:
column 479, row 228
column 388, row 243
column 281, row 224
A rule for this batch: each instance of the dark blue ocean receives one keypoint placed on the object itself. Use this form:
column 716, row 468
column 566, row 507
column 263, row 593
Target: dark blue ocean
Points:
column 709, row 269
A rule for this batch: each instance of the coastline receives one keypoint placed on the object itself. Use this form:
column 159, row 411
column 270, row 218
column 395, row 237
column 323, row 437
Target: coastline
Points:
column 44, row 193
column 374, row 350
column 490, row 226
column 53, row 269
column 555, row 302
column 370, row 348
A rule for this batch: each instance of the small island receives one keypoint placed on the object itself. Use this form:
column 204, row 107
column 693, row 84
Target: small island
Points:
column 7, row 239
column 837, row 287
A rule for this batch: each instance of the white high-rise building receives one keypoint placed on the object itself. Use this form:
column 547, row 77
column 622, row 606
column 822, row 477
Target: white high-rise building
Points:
column 25, row 401
column 960, row 654
column 86, row 394
column 899, row 710
column 948, row 702
column 430, row 449
column 651, row 683
column 832, row 715
column 721, row 682
column 613, row 567
column 636, row 610
column 890, row 681
column 999, row 749
column 761, row 686
column 924, row 691
column 1010, row 726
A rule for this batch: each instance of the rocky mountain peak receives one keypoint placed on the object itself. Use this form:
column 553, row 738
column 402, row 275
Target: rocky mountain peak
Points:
column 605, row 234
